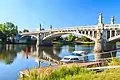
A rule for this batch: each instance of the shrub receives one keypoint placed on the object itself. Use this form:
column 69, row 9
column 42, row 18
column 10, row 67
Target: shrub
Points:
column 114, row 61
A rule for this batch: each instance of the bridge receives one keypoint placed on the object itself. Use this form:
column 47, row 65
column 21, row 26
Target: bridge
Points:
column 105, row 36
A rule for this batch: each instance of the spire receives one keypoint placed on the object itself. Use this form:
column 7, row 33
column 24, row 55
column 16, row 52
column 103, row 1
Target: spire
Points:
column 100, row 20
column 112, row 20
column 40, row 27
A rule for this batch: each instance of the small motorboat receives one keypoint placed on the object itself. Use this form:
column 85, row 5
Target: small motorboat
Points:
column 76, row 56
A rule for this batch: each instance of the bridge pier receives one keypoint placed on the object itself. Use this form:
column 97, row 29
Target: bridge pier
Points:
column 45, row 43
column 40, row 42
column 102, row 50
column 101, row 44
column 98, row 48
column 109, row 46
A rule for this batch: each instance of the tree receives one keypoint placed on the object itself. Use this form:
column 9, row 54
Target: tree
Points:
column 20, row 31
column 71, row 37
column 25, row 30
column 7, row 30
column 11, row 28
column 83, row 38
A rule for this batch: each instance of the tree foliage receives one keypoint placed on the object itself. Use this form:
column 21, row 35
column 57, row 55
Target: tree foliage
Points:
column 71, row 37
column 7, row 30
column 84, row 39
column 25, row 30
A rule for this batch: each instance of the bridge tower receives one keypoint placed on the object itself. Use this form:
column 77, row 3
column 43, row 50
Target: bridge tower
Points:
column 39, row 41
column 100, row 38
column 101, row 44
column 112, row 21
column 40, row 37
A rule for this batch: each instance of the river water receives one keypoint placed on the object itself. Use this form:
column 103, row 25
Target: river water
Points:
column 14, row 58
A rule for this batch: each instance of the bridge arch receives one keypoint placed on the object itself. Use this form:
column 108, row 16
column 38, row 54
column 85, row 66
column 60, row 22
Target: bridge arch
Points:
column 51, row 36
column 28, row 36
column 32, row 39
column 115, row 38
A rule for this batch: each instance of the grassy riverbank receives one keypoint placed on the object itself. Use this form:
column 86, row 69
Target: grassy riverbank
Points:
column 72, row 43
column 86, row 43
column 76, row 73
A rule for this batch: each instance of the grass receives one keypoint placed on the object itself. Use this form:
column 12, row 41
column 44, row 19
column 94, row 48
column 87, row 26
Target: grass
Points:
column 59, row 74
column 77, row 73
column 112, row 74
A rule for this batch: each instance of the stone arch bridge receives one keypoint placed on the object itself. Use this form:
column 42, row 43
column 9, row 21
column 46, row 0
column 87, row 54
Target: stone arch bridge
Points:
column 104, row 35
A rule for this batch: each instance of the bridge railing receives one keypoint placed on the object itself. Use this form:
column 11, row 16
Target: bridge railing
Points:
column 112, row 26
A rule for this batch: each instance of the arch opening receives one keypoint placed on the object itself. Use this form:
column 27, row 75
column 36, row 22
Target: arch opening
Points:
column 30, row 39
column 52, row 36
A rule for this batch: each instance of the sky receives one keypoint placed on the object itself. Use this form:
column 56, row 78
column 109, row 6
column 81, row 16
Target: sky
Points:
column 28, row 14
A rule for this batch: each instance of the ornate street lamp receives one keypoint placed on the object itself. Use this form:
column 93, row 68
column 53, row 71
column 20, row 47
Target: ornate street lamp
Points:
column 40, row 27
column 51, row 28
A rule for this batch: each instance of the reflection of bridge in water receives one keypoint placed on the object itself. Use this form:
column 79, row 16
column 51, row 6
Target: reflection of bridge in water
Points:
column 50, row 54
column 43, row 53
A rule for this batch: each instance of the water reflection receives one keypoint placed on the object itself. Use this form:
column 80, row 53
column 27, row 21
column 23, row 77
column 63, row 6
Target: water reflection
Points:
column 9, row 52
column 19, row 57
column 45, row 53
column 71, row 48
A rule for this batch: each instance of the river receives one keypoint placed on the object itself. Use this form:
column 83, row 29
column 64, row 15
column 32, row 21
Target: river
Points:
column 14, row 58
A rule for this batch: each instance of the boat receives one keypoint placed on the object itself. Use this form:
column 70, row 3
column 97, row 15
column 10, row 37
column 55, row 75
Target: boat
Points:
column 76, row 56
column 79, row 53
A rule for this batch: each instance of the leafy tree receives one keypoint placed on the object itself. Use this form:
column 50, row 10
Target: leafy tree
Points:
column 71, row 37
column 83, row 38
column 20, row 31
column 7, row 30
column 25, row 30
column 11, row 28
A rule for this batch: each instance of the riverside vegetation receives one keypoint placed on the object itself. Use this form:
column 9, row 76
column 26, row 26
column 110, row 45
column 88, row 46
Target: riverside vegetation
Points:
column 77, row 73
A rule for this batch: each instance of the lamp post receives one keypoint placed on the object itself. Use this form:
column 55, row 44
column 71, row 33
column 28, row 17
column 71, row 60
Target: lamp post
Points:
column 40, row 27
column 51, row 28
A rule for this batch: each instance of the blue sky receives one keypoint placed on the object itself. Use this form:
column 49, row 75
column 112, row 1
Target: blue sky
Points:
column 59, row 13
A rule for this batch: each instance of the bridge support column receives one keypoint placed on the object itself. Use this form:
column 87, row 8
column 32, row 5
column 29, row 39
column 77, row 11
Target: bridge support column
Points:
column 40, row 42
column 93, row 34
column 101, row 44
column 89, row 33
column 98, row 46
column 46, row 43
column 104, row 51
